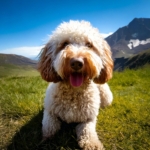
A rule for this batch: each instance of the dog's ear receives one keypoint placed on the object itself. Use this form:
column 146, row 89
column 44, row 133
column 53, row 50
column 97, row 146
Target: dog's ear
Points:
column 107, row 70
column 45, row 65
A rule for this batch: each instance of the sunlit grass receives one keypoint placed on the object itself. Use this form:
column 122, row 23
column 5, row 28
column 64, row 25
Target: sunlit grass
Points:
column 125, row 125
column 9, row 70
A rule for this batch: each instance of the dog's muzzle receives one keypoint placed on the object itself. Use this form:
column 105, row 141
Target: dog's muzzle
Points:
column 76, row 77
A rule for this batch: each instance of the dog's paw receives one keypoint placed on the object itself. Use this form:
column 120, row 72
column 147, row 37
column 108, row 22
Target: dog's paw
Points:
column 91, row 145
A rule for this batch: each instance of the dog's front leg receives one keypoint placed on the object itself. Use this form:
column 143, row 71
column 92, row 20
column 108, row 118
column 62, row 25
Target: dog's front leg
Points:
column 87, row 136
column 51, row 125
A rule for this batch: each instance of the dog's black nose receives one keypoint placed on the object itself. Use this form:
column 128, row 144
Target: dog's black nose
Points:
column 76, row 63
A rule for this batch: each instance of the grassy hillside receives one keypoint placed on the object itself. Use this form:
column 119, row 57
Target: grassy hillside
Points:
column 7, row 70
column 133, row 62
column 15, row 65
column 123, row 126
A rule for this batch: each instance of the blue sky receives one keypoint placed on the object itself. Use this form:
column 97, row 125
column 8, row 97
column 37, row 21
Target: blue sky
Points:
column 26, row 24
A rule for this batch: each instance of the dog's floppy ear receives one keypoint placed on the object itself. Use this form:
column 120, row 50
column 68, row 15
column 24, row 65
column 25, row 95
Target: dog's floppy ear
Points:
column 45, row 65
column 106, row 72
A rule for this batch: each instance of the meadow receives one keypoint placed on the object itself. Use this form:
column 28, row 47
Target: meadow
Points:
column 125, row 125
column 7, row 70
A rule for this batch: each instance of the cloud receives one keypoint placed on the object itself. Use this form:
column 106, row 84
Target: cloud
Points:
column 30, row 52
column 106, row 34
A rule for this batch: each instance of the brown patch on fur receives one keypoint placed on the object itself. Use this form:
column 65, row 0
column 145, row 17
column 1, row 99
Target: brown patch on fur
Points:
column 45, row 66
column 89, row 66
column 66, row 64
column 106, row 72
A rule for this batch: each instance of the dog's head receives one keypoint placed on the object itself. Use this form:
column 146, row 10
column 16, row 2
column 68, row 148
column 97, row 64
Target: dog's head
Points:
column 75, row 53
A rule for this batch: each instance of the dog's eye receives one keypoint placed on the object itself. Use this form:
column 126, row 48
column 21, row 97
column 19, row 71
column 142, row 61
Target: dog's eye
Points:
column 89, row 45
column 65, row 44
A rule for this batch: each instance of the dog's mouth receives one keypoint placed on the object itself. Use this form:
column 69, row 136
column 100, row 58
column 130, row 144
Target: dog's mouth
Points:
column 76, row 79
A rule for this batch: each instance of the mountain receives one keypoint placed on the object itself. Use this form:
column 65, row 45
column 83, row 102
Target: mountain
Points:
column 130, row 39
column 133, row 62
column 16, row 60
column 15, row 65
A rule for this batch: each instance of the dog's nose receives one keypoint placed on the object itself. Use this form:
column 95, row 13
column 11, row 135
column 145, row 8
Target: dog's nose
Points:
column 76, row 63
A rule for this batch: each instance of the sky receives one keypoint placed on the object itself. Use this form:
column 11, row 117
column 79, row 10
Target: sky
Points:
column 25, row 25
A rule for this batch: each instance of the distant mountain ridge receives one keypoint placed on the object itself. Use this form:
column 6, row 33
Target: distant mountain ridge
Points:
column 16, row 65
column 130, row 39
column 16, row 60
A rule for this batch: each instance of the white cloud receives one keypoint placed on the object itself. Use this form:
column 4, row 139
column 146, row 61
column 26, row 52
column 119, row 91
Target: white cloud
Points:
column 30, row 52
column 106, row 34
column 137, row 42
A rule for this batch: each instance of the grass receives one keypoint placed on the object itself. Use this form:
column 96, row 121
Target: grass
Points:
column 7, row 70
column 125, row 125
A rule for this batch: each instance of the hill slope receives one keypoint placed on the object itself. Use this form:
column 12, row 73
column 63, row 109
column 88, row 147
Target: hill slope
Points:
column 16, row 60
column 133, row 62
column 15, row 65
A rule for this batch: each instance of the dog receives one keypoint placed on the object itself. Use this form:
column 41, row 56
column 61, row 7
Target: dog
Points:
column 78, row 62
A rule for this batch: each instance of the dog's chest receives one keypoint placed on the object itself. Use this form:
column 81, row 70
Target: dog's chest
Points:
column 75, row 105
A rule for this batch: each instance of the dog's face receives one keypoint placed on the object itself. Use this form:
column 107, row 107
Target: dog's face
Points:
column 75, row 53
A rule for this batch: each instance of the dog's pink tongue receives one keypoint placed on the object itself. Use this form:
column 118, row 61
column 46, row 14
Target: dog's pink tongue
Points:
column 76, row 79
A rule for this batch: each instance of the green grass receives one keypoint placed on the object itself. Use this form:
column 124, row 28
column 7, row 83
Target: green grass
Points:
column 125, row 125
column 7, row 70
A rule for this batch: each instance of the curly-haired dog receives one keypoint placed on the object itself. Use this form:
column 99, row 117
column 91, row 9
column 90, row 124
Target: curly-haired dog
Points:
column 78, row 62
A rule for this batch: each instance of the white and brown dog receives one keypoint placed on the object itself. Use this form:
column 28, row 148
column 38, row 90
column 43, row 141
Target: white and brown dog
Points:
column 78, row 62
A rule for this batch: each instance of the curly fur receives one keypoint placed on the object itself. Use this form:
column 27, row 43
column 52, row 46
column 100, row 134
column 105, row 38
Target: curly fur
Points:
column 78, row 62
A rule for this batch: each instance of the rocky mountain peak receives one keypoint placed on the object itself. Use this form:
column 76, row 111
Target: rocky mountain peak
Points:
column 139, row 28
column 130, row 39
